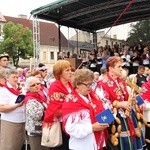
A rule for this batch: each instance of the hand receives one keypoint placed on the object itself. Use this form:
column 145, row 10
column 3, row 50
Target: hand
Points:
column 99, row 126
column 56, row 96
column 19, row 104
column 125, row 105
column 133, row 101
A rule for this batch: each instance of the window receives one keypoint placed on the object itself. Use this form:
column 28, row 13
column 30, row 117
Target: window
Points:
column 52, row 55
column 106, row 42
column 44, row 55
column 112, row 43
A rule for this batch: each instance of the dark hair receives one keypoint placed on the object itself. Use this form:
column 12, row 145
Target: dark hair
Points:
column 141, row 67
column 41, row 65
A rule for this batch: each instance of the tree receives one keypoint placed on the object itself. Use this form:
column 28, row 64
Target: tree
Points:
column 140, row 33
column 17, row 42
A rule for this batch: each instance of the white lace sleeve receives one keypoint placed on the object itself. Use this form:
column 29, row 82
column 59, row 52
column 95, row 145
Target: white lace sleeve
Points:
column 79, row 124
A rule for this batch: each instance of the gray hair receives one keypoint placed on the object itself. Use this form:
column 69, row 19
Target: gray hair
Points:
column 2, row 73
column 28, row 82
column 10, row 72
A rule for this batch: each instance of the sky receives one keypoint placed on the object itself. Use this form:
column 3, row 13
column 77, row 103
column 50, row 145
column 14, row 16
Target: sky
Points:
column 15, row 7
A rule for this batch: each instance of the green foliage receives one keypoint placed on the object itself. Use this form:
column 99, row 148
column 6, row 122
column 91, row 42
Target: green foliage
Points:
column 140, row 33
column 17, row 42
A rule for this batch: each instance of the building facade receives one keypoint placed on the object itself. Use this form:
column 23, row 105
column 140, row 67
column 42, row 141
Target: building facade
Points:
column 49, row 41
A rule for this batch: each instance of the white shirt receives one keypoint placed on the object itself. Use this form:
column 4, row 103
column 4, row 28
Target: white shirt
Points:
column 146, row 61
column 146, row 111
column 127, row 62
column 0, row 90
column 80, row 131
column 8, row 98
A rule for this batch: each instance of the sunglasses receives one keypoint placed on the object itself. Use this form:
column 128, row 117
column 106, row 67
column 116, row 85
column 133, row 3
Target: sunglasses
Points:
column 34, row 84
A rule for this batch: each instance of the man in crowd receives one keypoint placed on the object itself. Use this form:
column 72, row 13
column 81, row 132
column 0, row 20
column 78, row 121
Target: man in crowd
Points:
column 4, row 59
column 96, row 79
column 140, row 76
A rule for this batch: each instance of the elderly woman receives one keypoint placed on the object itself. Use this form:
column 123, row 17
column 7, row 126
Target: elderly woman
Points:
column 38, row 74
column 35, row 104
column 114, row 93
column 2, row 83
column 57, row 92
column 79, row 111
column 12, row 114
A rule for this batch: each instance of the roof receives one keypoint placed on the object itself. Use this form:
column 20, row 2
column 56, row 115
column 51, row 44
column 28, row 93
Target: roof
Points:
column 2, row 19
column 92, row 15
column 48, row 31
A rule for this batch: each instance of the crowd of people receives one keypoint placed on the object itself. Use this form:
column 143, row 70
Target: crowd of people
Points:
column 132, row 57
column 74, row 98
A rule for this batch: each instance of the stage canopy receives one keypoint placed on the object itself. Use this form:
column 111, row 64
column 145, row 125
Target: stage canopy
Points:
column 92, row 15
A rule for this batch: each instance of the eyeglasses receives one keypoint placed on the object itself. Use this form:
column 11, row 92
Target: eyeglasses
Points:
column 87, row 85
column 34, row 84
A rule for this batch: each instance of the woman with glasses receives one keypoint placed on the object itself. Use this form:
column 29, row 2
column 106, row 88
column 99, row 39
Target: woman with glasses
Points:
column 79, row 111
column 12, row 114
column 35, row 104
column 38, row 75
column 57, row 92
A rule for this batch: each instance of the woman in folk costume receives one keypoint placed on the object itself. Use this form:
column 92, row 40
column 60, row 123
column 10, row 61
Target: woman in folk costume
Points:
column 146, row 111
column 115, row 96
column 57, row 93
column 79, row 111
column 35, row 104
column 12, row 115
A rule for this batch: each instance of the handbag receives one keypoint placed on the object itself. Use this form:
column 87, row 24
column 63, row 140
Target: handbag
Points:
column 51, row 135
